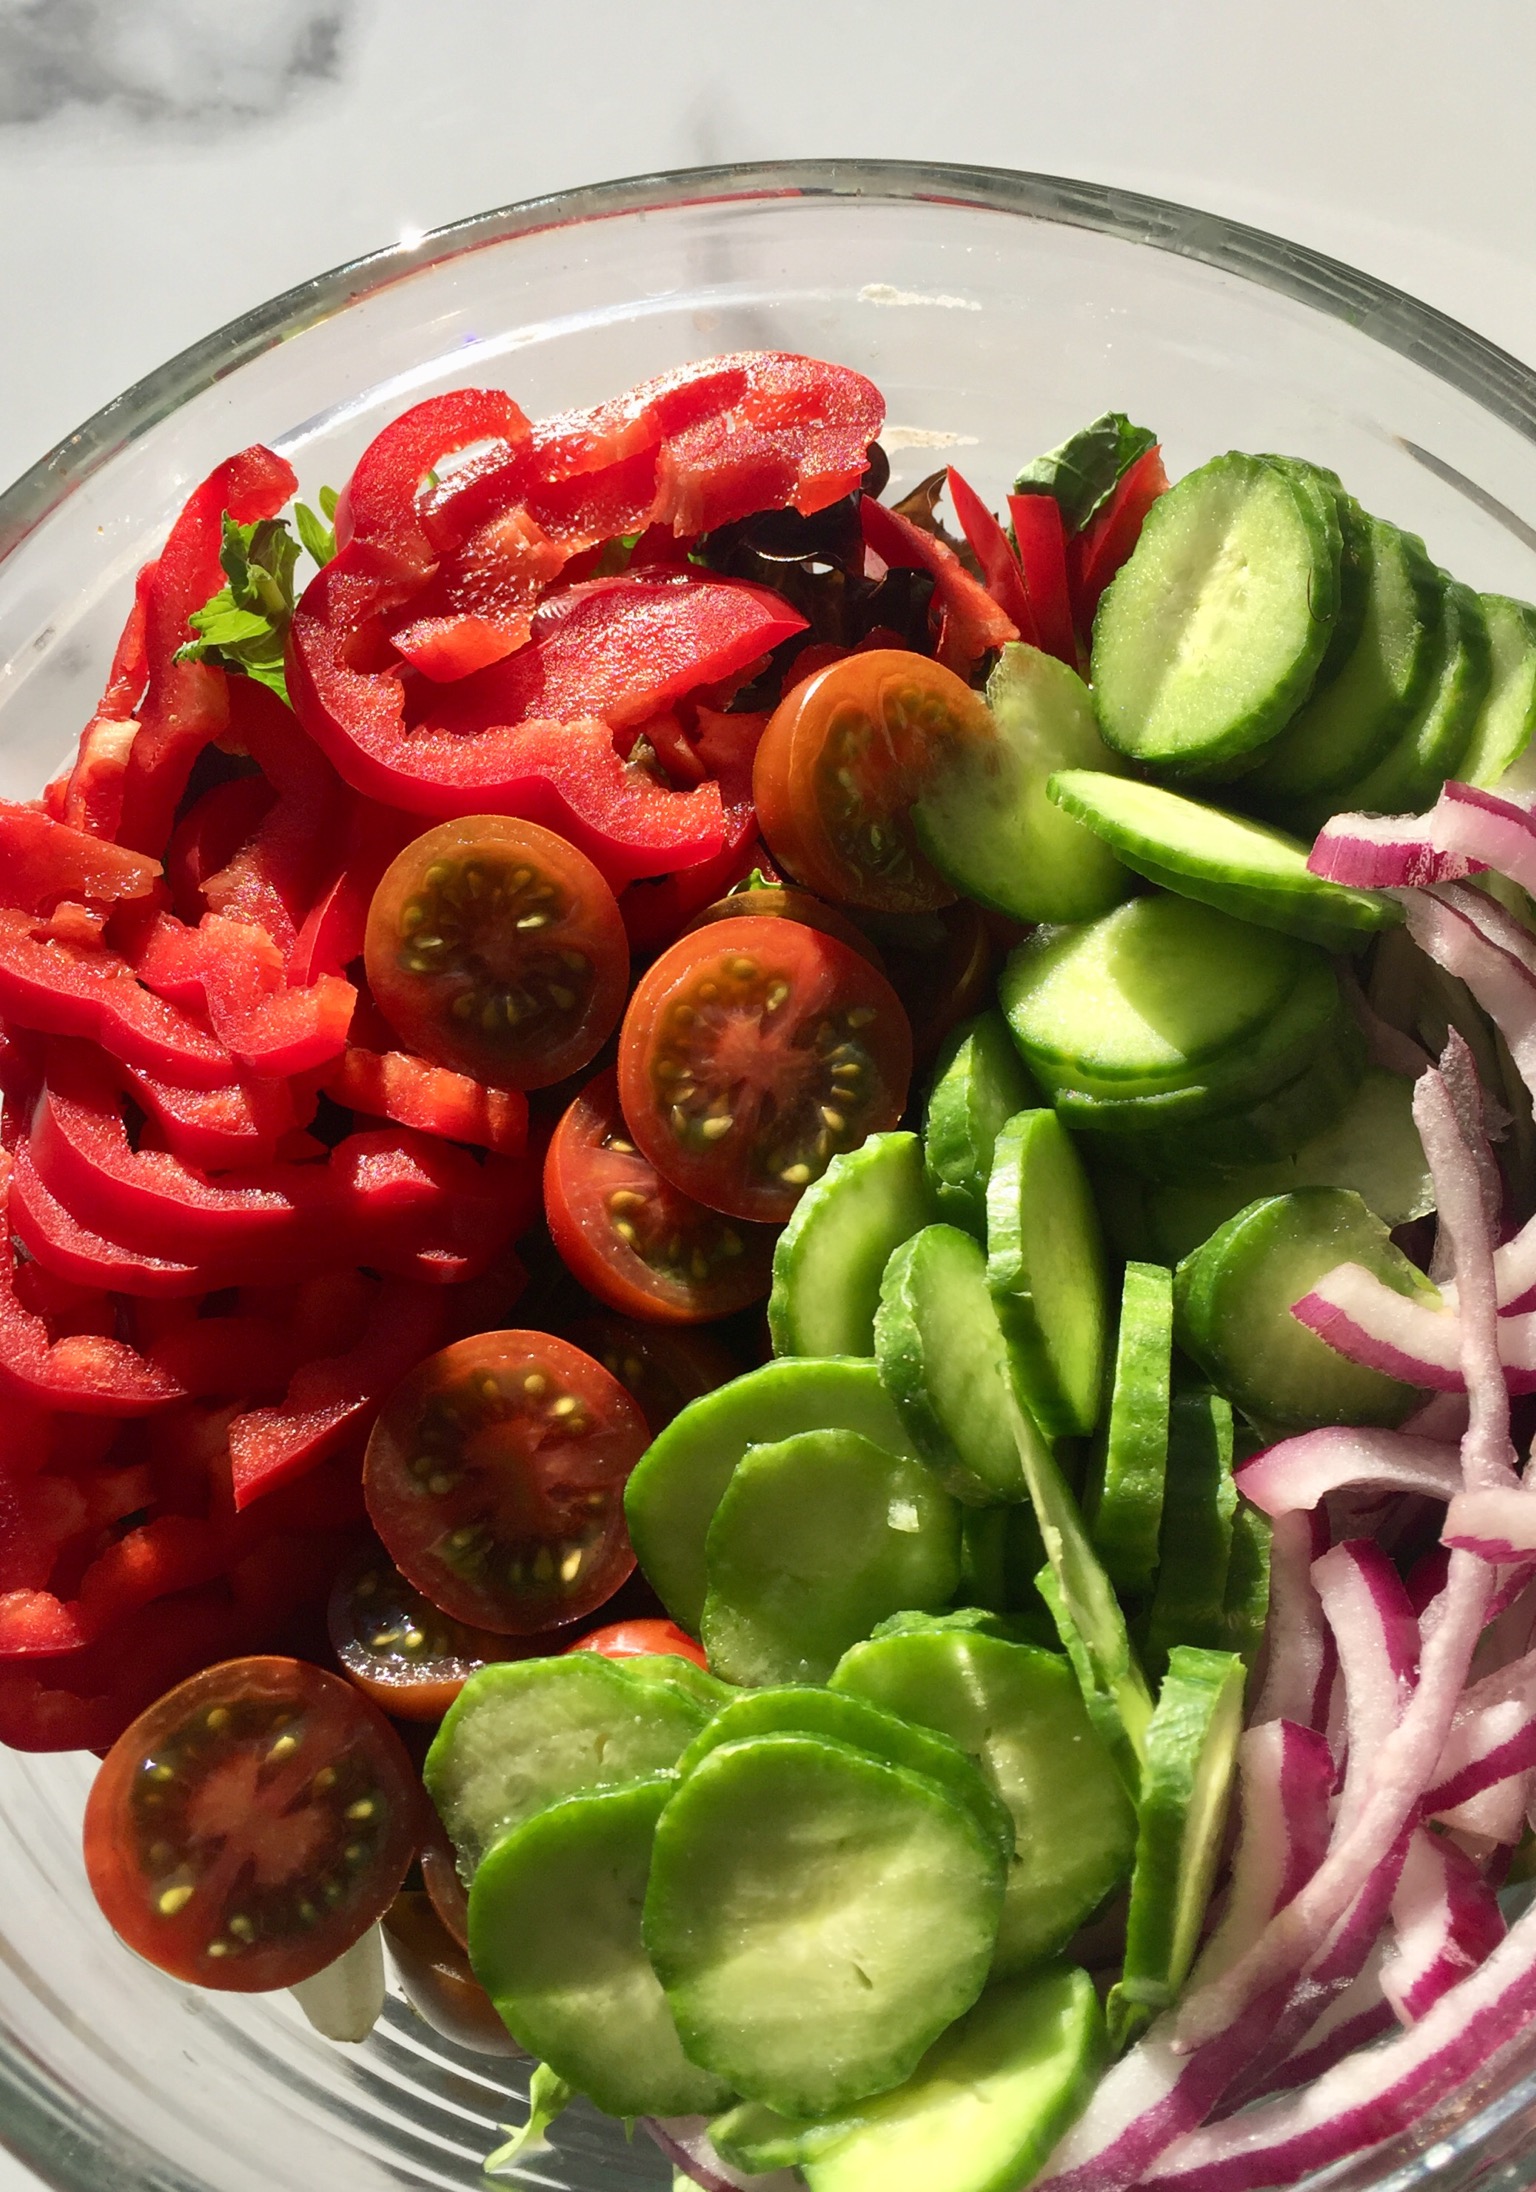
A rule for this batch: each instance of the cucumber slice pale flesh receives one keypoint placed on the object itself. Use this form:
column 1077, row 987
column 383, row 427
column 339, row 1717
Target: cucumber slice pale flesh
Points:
column 1019, row 1713
column 1209, row 638
column 524, row 1733
column 828, row 1261
column 1045, row 1267
column 817, row 1917
column 1354, row 558
column 1501, row 737
column 985, row 821
column 1195, row 1549
column 674, row 1489
column 554, row 1938
column 980, row 1082
column 1186, row 1787
column 1244, row 868
column 815, row 1540
column 1125, row 1502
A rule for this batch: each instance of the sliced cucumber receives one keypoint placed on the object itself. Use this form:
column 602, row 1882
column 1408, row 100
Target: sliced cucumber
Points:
column 863, row 1727
column 987, row 2103
column 1186, row 1785
column 696, row 1682
column 980, row 1083
column 1354, row 559
column 1125, row 1503
column 1207, row 641
column 1195, row 1548
column 554, row 1938
column 815, row 1540
column 1348, row 721
column 1045, row 1267
column 755, row 2139
column 817, row 1918
column 1149, row 998
column 829, row 1258
column 985, row 821
column 1501, row 737
column 944, row 1362
column 525, row 1733
column 1019, row 1712
column 671, row 1497
column 1246, row 1609
column 1001, row 1553
column 1242, row 867
column 1232, row 1309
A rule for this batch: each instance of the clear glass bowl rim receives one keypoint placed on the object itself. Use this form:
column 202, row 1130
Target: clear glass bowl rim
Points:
column 41, row 2122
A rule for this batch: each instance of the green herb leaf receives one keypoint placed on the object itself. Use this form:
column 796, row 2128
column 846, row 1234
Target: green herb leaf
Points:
column 319, row 538
column 754, row 882
column 244, row 627
column 328, row 498
column 1084, row 472
column 547, row 2097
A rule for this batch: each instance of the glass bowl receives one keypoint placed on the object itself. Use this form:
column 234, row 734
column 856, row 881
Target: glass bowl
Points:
column 997, row 311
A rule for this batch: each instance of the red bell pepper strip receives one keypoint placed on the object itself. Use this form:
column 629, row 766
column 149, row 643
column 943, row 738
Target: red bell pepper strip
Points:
column 1005, row 581
column 228, row 1357
column 393, row 1085
column 90, row 797
column 234, row 971
column 656, row 911
column 1042, row 540
column 1106, row 541
column 218, row 1128
column 186, row 703
column 42, row 861
column 334, row 928
column 169, row 1554
column 335, row 1395
column 62, row 1245
column 208, row 837
column 382, row 501
column 799, row 435
column 272, row 876
column 973, row 622
column 58, row 988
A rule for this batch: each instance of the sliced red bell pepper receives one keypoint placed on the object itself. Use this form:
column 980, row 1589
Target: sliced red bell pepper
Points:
column 217, row 1129
column 393, row 1085
column 989, row 543
column 58, row 988
column 382, row 501
column 799, row 435
column 972, row 621
column 1106, row 541
column 234, row 971
column 208, row 837
column 168, row 1554
column 90, row 796
column 1042, row 544
column 61, row 1244
column 655, row 911
column 228, row 1357
column 332, row 1396
column 479, row 605
column 186, row 704
column 42, row 861
column 336, row 924
column 272, row 876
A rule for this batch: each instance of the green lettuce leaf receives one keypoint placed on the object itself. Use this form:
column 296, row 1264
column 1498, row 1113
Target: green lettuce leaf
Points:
column 1083, row 473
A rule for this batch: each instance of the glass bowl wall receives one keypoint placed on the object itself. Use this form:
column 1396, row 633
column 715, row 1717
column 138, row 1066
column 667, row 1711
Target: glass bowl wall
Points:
column 997, row 312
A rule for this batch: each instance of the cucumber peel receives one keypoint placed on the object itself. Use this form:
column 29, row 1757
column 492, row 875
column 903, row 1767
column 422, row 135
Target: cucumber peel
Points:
column 828, row 1260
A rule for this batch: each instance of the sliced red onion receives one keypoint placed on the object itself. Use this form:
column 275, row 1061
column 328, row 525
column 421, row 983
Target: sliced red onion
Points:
column 1377, row 1637
column 1384, row 852
column 1359, row 1316
column 1299, row 1658
column 1386, row 1046
column 1353, row 2019
column 1493, row 1819
column 1488, row 830
column 1442, row 1417
column 1497, row 1523
column 685, row 2142
column 1445, row 1921
column 1369, row 2097
column 1465, row 932
column 1492, row 1737
column 1286, row 1782
column 1301, row 1471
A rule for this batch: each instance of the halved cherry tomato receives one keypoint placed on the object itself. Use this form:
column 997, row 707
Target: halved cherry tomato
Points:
column 495, row 1477
column 752, row 1054
column 252, row 1825
column 435, row 1976
column 397, row 1647
column 641, row 1640
column 939, row 964
column 843, row 758
column 632, row 1239
column 440, row 1878
column 495, row 947
column 663, row 1368
column 782, row 902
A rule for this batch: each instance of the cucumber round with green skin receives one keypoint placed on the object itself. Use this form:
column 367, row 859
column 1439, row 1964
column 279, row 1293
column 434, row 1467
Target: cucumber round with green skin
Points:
column 1045, row 1268
column 816, row 1539
column 1001, row 1554
column 1186, row 1787
column 1195, row 1546
column 980, row 1082
column 674, row 1489
column 1019, row 1713
column 554, row 1938
column 828, row 1261
column 1350, row 719
column 1208, row 639
column 944, row 1363
column 1232, row 1310
column 984, row 820
column 524, row 1733
column 1157, row 994
column 817, row 1917
column 1125, row 1502
column 989, row 2101
column 1354, row 558
column 1244, row 868
column 863, row 1727
column 755, row 2139
column 1501, row 737
column 1245, row 1610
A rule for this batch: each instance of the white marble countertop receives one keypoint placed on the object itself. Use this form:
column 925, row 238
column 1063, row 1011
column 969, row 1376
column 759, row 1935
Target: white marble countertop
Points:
column 165, row 164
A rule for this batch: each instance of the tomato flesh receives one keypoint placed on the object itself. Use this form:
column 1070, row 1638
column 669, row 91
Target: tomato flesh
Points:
column 664, row 1368
column 434, row 1973
column 642, row 1640
column 631, row 1238
column 782, row 902
column 844, row 756
column 754, row 1052
column 251, row 1825
column 496, row 947
column 399, row 1649
column 495, row 1478
column 940, row 966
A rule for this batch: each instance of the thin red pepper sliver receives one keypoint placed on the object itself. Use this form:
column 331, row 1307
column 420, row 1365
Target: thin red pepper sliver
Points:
column 1104, row 545
column 394, row 1085
column 56, row 988
column 42, row 861
column 1005, row 581
column 1042, row 542
column 974, row 624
